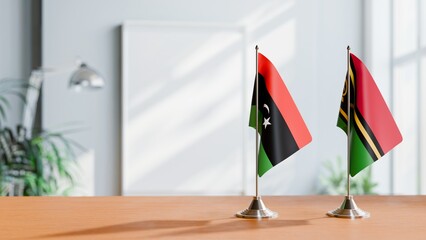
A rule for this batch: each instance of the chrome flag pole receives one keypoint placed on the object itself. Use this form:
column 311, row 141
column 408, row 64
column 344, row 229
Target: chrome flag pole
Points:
column 348, row 209
column 257, row 208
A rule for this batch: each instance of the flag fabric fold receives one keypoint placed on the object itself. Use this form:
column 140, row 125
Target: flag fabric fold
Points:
column 373, row 131
column 281, row 127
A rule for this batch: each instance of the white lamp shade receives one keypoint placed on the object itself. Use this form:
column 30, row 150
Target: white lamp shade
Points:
column 86, row 77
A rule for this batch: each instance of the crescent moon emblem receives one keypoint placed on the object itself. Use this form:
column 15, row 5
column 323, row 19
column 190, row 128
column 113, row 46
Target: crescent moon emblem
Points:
column 266, row 106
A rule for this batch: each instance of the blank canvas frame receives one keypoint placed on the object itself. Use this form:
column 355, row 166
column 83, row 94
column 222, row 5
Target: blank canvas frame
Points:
column 184, row 108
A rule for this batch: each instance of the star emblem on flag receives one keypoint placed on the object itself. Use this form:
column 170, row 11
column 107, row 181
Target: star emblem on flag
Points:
column 266, row 122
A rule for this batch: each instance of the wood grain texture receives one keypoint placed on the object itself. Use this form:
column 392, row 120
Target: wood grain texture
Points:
column 300, row 217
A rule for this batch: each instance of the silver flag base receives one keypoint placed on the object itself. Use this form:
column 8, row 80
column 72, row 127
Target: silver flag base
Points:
column 257, row 209
column 349, row 209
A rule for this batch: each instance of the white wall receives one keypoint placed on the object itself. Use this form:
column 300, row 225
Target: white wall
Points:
column 15, row 48
column 306, row 40
column 340, row 23
column 395, row 40
column 377, row 49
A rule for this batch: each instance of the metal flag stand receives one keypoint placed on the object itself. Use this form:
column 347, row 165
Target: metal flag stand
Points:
column 257, row 208
column 348, row 209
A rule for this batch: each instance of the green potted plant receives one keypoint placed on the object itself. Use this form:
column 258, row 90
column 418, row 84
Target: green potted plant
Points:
column 334, row 180
column 37, row 165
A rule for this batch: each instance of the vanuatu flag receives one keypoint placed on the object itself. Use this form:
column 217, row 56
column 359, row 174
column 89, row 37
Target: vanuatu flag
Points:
column 281, row 128
column 373, row 130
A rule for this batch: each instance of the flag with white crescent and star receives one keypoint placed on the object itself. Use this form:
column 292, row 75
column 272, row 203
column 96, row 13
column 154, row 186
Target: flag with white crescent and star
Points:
column 281, row 127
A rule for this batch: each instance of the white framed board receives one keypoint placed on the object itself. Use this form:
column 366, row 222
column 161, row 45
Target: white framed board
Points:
column 184, row 108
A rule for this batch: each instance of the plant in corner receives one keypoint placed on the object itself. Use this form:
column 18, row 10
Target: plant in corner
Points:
column 37, row 165
column 334, row 182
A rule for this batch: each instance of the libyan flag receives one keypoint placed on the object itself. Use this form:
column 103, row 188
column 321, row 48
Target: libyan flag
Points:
column 373, row 131
column 281, row 127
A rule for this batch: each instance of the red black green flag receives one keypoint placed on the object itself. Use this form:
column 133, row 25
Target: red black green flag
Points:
column 373, row 130
column 281, row 127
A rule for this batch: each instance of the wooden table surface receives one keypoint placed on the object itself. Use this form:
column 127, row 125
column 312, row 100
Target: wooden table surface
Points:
column 300, row 217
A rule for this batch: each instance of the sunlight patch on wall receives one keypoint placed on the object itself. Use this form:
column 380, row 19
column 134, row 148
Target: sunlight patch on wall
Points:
column 405, row 114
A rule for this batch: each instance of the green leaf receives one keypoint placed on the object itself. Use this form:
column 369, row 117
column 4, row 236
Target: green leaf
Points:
column 2, row 113
column 5, row 101
column 30, row 180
